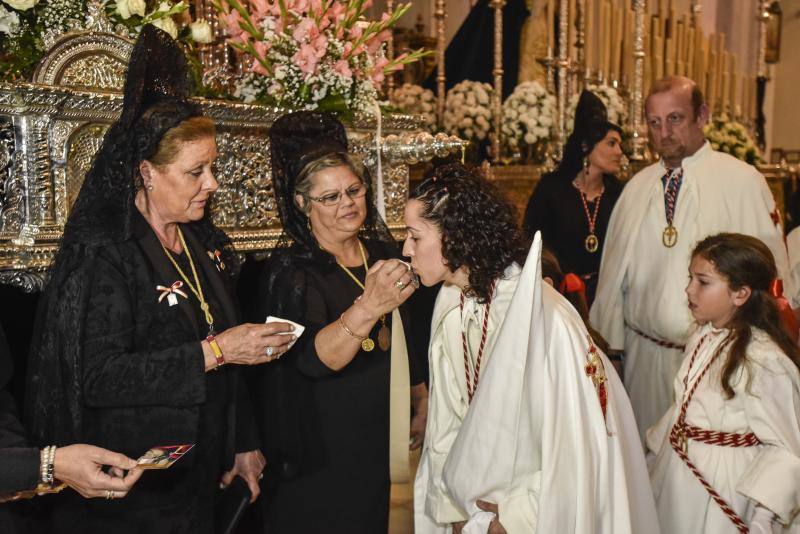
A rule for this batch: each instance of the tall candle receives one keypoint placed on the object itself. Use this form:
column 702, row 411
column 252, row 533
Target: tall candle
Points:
column 606, row 38
column 712, row 77
column 679, row 57
column 629, row 32
column 588, row 37
column 550, row 10
column 732, row 73
column 617, row 35
column 725, row 75
column 571, row 34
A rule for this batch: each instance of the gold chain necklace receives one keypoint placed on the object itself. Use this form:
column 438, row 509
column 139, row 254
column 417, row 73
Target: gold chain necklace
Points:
column 198, row 290
column 384, row 336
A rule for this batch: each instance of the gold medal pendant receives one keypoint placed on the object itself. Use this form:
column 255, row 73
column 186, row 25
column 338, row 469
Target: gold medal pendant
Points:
column 591, row 243
column 368, row 345
column 670, row 236
column 384, row 338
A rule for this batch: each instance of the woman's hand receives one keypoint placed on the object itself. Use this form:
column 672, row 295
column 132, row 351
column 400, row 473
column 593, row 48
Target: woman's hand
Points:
column 495, row 527
column 81, row 468
column 250, row 344
column 387, row 286
column 419, row 401
column 458, row 527
column 249, row 466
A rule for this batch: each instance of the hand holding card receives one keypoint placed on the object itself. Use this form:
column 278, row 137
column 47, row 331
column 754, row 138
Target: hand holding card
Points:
column 163, row 456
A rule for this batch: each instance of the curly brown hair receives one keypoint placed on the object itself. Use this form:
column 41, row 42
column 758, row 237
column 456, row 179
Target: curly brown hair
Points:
column 478, row 225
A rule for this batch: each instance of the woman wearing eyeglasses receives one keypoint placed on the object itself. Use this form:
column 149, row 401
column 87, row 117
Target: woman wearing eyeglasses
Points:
column 330, row 407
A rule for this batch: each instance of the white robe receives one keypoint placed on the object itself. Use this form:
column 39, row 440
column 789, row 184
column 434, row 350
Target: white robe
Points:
column 641, row 282
column 767, row 402
column 534, row 439
column 793, row 246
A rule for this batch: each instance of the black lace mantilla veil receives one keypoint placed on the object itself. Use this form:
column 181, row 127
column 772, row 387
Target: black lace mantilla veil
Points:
column 157, row 87
column 591, row 116
column 296, row 139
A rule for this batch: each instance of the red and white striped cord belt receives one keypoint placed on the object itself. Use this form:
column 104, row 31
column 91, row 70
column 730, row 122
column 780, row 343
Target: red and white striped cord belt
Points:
column 681, row 433
column 659, row 342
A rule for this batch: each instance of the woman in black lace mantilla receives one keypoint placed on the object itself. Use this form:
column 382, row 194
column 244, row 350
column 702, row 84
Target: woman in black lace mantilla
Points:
column 138, row 317
column 324, row 409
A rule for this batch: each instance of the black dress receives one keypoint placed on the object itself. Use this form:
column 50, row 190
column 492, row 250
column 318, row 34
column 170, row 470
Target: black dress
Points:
column 19, row 462
column 145, row 385
column 341, row 479
column 556, row 210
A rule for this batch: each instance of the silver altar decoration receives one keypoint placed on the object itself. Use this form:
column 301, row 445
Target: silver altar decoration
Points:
column 50, row 130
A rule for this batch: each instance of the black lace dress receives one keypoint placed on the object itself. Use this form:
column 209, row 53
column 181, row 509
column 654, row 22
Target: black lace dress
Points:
column 144, row 385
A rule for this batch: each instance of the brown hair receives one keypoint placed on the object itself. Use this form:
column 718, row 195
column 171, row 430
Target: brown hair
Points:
column 326, row 161
column 747, row 262
column 192, row 129
column 477, row 222
column 674, row 82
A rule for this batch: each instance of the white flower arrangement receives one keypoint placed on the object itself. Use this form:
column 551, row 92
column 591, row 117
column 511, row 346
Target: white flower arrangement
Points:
column 414, row 99
column 528, row 115
column 9, row 21
column 312, row 54
column 467, row 110
column 201, row 31
column 21, row 5
column 126, row 8
column 615, row 106
column 29, row 27
column 732, row 137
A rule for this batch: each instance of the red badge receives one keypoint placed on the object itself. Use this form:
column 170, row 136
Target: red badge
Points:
column 596, row 371
column 775, row 215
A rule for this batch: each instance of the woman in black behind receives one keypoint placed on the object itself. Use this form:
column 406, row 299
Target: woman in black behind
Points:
column 572, row 205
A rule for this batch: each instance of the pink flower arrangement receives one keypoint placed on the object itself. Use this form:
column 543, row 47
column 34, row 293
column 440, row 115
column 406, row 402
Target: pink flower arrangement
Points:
column 312, row 53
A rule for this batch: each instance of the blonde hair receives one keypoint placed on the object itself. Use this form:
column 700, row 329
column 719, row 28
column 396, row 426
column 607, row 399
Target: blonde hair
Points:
column 191, row 129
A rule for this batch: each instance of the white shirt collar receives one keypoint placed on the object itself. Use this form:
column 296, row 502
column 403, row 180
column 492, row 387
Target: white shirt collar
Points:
column 691, row 160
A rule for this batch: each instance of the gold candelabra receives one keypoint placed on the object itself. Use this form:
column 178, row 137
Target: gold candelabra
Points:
column 497, row 97
column 440, row 13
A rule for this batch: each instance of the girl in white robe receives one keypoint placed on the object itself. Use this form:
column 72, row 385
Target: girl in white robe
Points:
column 529, row 429
column 727, row 454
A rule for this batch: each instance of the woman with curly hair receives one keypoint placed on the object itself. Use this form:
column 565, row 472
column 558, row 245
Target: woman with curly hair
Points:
column 547, row 414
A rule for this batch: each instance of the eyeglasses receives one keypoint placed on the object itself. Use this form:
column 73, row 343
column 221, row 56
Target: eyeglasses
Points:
column 331, row 199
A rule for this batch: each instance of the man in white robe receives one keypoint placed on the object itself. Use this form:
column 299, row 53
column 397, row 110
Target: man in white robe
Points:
column 549, row 436
column 693, row 191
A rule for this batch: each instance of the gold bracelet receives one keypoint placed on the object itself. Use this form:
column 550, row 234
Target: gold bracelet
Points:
column 212, row 342
column 350, row 332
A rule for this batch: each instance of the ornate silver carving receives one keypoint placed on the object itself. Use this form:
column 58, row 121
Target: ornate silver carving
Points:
column 89, row 60
column 245, row 198
column 52, row 132
column 29, row 281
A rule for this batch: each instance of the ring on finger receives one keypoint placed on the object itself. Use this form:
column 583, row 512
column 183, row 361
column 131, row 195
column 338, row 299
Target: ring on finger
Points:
column 400, row 285
column 270, row 351
column 109, row 494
